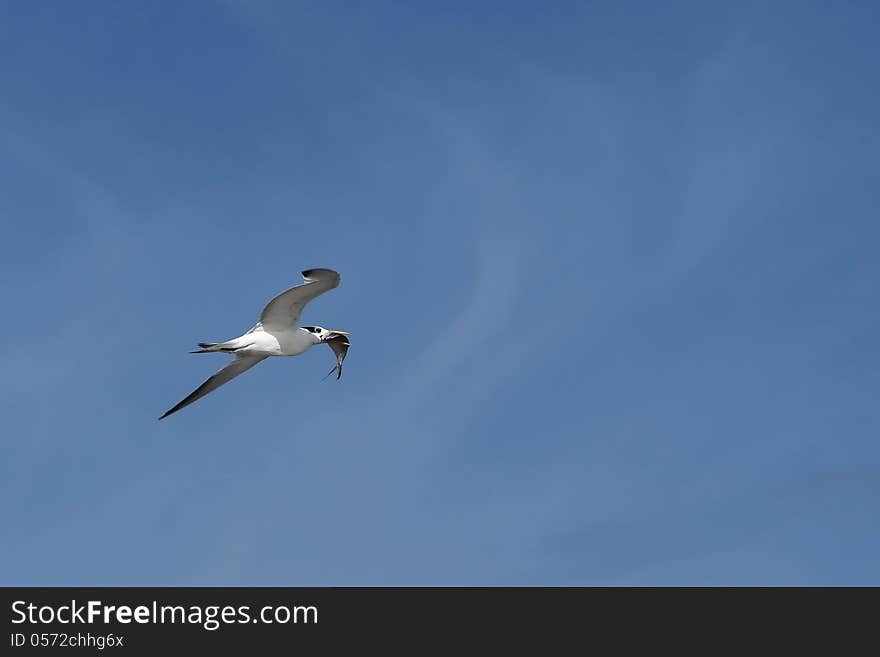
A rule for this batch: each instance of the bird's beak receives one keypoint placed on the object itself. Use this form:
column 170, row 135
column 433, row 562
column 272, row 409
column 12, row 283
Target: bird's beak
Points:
column 338, row 332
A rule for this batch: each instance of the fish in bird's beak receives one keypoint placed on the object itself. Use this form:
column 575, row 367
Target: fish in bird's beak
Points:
column 339, row 343
column 332, row 335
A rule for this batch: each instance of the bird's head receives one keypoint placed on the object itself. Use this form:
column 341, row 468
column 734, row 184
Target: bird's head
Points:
column 323, row 335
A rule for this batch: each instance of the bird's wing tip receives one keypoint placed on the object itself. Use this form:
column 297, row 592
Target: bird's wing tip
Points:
column 319, row 272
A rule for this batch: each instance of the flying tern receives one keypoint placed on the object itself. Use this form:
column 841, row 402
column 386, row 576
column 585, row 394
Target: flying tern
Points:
column 278, row 333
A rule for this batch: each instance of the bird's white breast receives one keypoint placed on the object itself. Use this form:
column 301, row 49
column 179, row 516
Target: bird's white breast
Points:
column 291, row 343
column 259, row 341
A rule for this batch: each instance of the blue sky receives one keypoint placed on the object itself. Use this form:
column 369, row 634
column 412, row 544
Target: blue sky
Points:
column 610, row 270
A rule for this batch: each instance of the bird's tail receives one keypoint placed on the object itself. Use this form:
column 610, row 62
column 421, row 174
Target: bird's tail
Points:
column 230, row 346
column 208, row 347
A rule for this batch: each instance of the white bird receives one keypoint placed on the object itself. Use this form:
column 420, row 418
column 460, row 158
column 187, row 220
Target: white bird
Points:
column 278, row 333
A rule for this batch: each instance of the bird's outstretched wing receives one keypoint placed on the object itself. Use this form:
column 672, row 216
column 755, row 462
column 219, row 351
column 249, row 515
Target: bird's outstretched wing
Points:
column 339, row 344
column 283, row 311
column 232, row 369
